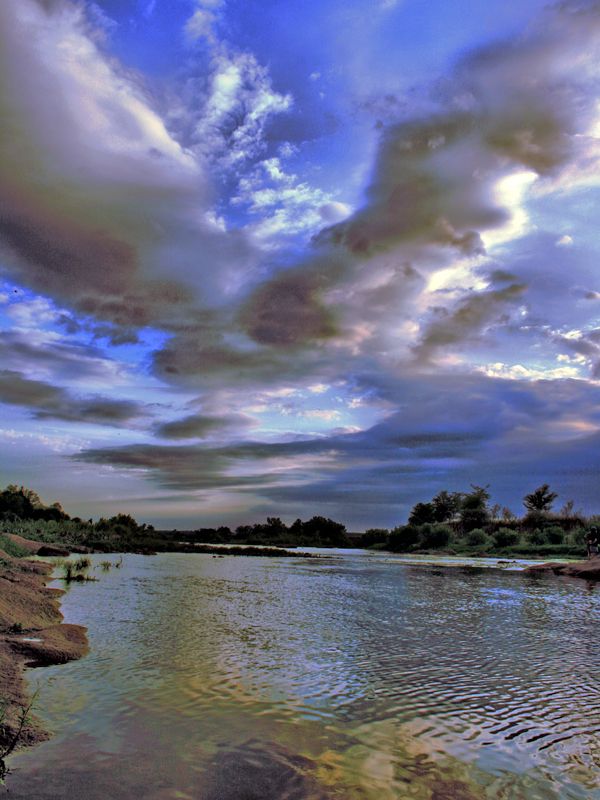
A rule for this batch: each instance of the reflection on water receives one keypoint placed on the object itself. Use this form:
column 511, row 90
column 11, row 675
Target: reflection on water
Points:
column 355, row 677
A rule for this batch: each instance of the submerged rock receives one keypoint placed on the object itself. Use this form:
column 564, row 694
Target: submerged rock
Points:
column 261, row 771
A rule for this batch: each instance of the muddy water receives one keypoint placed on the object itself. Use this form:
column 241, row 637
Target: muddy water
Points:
column 357, row 677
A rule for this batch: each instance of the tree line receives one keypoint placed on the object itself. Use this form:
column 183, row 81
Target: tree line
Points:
column 468, row 522
column 454, row 521
column 23, row 512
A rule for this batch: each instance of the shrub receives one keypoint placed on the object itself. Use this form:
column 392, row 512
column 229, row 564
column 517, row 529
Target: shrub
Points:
column 434, row 535
column 555, row 534
column 505, row 537
column 374, row 536
column 537, row 537
column 403, row 538
column 476, row 537
column 578, row 536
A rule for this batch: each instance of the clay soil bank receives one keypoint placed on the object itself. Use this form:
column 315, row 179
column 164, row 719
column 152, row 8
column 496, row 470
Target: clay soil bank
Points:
column 32, row 634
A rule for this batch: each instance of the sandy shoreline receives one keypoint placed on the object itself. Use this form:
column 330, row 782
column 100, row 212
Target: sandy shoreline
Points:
column 32, row 634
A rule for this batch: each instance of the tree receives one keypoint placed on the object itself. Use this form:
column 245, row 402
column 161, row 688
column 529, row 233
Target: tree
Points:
column 403, row 538
column 508, row 515
column 567, row 510
column 474, row 511
column 446, row 505
column 541, row 500
column 422, row 513
column 326, row 532
column 374, row 536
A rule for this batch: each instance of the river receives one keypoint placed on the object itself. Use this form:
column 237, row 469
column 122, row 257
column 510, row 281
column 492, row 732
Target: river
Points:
column 360, row 676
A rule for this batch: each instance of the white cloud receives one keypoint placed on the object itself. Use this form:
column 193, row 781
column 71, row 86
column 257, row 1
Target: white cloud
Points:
column 564, row 241
column 286, row 205
column 234, row 108
column 518, row 372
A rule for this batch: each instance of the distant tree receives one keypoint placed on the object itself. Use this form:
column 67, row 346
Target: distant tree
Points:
column 422, row 513
column 325, row 531
column 275, row 526
column 243, row 531
column 374, row 536
column 474, row 511
column 508, row 515
column 403, row 538
column 445, row 505
column 541, row 500
column 567, row 510
column 14, row 501
column 34, row 498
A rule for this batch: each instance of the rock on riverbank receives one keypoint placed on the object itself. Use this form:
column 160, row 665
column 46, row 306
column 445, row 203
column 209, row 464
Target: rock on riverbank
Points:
column 590, row 570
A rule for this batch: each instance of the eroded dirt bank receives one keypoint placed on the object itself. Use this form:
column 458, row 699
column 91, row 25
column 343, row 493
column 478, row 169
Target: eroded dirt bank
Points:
column 32, row 634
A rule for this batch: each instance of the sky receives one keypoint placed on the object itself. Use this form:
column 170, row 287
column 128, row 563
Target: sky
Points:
column 291, row 258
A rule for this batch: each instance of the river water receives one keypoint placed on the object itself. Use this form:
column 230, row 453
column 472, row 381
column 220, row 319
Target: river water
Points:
column 357, row 676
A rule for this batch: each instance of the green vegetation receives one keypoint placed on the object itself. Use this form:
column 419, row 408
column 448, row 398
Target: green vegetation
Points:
column 76, row 570
column 464, row 523
column 315, row 532
column 12, row 548
column 23, row 512
column 453, row 522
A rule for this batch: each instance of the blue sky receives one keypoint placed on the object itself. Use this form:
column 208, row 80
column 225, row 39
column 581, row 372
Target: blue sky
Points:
column 292, row 258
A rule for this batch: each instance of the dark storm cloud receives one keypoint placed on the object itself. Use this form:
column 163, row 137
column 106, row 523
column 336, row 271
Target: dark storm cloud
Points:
column 112, row 218
column 515, row 106
column 60, row 359
column 448, row 428
column 52, row 402
column 200, row 425
column 100, row 208
column 288, row 311
column 468, row 319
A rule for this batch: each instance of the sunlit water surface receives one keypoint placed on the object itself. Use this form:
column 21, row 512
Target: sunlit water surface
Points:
column 358, row 676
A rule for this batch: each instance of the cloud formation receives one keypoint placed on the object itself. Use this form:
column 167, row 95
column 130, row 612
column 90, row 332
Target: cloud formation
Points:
column 187, row 231
column 52, row 402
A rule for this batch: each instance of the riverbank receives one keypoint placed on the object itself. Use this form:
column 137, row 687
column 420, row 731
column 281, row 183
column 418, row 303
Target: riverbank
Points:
column 32, row 634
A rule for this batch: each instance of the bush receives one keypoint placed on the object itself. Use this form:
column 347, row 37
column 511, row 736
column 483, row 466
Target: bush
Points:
column 434, row 535
column 476, row 537
column 537, row 537
column 578, row 536
column 374, row 536
column 505, row 537
column 403, row 538
column 555, row 534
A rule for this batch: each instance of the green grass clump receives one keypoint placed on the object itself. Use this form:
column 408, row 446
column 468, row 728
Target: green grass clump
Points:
column 11, row 548
column 73, row 571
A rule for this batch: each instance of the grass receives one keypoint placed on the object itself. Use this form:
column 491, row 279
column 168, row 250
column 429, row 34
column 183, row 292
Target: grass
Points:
column 75, row 571
column 11, row 548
